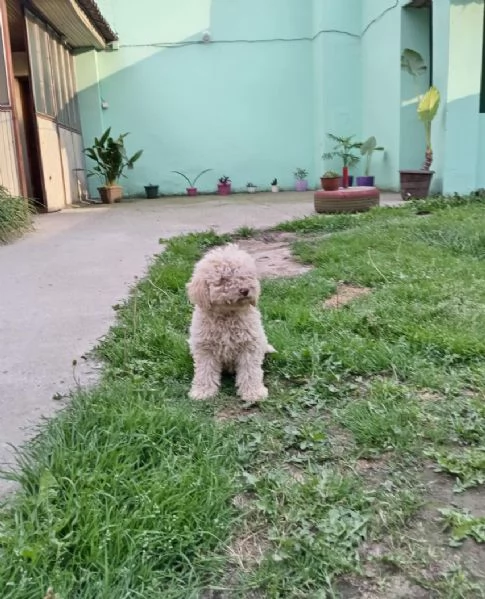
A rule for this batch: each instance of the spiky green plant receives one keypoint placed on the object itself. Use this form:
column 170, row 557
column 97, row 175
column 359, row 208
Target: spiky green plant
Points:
column 15, row 215
column 344, row 149
column 110, row 157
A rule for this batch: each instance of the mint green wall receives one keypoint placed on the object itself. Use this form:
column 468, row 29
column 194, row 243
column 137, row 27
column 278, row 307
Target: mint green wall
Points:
column 337, row 76
column 381, row 86
column 255, row 109
column 244, row 109
column 464, row 149
column 415, row 25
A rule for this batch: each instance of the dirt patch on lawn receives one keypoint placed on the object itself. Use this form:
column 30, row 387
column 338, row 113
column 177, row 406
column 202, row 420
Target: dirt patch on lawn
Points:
column 346, row 292
column 272, row 252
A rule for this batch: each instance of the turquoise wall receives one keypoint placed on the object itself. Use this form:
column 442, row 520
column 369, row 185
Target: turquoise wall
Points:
column 244, row 108
column 380, row 110
column 464, row 143
column 259, row 100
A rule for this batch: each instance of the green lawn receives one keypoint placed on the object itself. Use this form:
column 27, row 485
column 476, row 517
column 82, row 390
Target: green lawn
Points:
column 330, row 488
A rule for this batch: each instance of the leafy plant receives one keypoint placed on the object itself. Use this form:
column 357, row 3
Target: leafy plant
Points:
column 413, row 63
column 300, row 174
column 468, row 465
column 190, row 181
column 250, row 185
column 344, row 149
column 368, row 147
column 463, row 524
column 330, row 175
column 274, row 181
column 224, row 180
column 110, row 157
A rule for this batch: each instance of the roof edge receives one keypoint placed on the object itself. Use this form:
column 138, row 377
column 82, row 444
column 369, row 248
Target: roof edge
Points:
column 92, row 11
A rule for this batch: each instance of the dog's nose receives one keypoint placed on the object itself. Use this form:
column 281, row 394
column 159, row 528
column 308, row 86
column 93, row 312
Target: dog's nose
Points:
column 244, row 292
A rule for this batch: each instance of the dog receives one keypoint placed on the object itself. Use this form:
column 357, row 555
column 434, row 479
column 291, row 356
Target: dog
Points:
column 226, row 333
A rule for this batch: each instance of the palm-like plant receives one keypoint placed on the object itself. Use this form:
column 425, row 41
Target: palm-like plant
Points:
column 344, row 149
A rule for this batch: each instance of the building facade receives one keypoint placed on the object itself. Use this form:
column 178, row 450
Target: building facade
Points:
column 40, row 132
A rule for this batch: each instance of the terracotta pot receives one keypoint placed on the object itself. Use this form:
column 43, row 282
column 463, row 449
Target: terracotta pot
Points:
column 110, row 193
column 415, row 184
column 330, row 184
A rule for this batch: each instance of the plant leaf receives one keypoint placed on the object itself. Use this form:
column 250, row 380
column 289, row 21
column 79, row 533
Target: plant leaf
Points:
column 429, row 104
column 413, row 63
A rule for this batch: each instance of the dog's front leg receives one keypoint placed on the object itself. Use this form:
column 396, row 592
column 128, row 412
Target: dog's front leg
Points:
column 249, row 376
column 207, row 376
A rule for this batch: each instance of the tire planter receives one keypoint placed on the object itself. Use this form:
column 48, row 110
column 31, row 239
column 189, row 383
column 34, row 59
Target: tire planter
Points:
column 355, row 199
column 415, row 184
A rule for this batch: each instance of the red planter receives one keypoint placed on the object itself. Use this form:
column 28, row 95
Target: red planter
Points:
column 191, row 191
column 330, row 184
column 223, row 189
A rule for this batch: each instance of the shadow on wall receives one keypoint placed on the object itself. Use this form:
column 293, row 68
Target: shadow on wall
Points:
column 242, row 109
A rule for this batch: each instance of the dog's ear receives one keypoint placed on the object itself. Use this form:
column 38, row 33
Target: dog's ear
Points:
column 198, row 292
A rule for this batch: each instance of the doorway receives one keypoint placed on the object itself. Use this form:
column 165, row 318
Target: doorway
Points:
column 23, row 106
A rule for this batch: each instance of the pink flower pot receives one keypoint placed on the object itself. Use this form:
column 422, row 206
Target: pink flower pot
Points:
column 223, row 189
column 191, row 191
column 301, row 185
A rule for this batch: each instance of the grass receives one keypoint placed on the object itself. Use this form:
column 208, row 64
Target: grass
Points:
column 135, row 491
column 15, row 216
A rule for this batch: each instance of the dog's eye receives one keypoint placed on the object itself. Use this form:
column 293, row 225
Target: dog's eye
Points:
column 222, row 281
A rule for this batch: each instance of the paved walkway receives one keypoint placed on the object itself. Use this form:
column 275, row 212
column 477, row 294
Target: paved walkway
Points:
column 59, row 284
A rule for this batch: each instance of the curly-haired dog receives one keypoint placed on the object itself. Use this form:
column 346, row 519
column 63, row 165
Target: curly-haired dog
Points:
column 226, row 331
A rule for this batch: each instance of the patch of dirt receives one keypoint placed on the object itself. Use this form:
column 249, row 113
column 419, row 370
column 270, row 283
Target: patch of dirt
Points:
column 234, row 413
column 246, row 552
column 346, row 292
column 273, row 255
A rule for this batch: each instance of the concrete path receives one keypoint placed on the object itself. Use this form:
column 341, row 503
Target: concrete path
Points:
column 59, row 284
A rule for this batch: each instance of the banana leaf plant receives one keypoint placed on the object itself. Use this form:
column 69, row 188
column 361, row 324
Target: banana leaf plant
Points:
column 110, row 157
column 413, row 63
column 427, row 109
column 368, row 147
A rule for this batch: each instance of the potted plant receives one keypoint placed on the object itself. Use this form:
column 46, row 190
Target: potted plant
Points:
column 151, row 191
column 344, row 149
column 224, row 186
column 251, row 187
column 367, row 149
column 274, row 186
column 330, row 181
column 416, row 183
column 111, row 160
column 301, row 183
column 192, row 189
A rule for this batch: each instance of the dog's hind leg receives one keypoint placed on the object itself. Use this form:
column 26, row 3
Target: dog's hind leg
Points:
column 207, row 376
column 249, row 377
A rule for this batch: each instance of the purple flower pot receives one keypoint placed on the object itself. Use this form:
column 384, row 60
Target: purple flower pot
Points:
column 301, row 185
column 365, row 181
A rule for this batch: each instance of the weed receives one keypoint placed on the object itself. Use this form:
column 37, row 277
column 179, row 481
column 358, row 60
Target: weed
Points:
column 462, row 525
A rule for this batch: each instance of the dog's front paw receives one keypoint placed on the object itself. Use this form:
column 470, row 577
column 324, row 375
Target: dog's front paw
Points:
column 253, row 395
column 201, row 393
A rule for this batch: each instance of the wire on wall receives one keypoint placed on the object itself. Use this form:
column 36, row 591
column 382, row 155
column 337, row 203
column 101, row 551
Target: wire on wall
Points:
column 268, row 40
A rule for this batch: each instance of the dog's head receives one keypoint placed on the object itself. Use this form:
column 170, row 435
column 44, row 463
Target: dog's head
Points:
column 225, row 279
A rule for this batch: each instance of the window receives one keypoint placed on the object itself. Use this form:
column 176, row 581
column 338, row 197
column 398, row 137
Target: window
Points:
column 4, row 99
column 53, row 75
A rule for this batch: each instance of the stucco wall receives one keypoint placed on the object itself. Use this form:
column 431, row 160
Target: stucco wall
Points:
column 259, row 100
column 239, row 105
